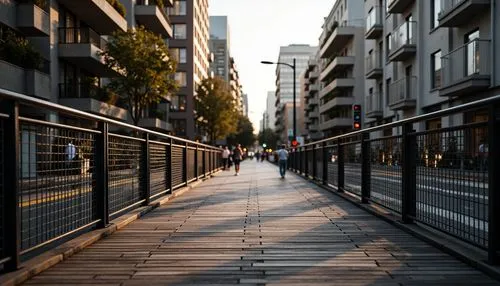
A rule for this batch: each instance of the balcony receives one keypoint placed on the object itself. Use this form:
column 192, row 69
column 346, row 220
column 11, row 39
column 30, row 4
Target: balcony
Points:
column 373, row 105
column 336, row 65
column 336, row 102
column 373, row 66
column 153, row 17
column 337, row 85
column 311, row 102
column 338, row 122
column 374, row 24
column 398, row 6
column 81, row 46
column 313, row 88
column 313, row 114
column 339, row 36
column 455, row 13
column 90, row 98
column 98, row 14
column 154, row 123
column 403, row 42
column 313, row 74
column 27, row 81
column 467, row 69
column 33, row 20
column 402, row 93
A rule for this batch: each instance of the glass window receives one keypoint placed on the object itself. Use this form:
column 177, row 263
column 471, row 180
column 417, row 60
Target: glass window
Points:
column 179, row 8
column 436, row 9
column 178, row 103
column 388, row 44
column 436, row 69
column 180, row 31
column 181, row 79
column 472, row 56
column 178, row 126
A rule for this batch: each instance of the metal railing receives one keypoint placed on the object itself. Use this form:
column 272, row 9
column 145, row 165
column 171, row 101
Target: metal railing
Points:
column 448, row 5
column 405, row 34
column 373, row 102
column 443, row 178
column 471, row 59
column 373, row 61
column 374, row 18
column 159, row 3
column 60, row 179
column 403, row 89
column 82, row 35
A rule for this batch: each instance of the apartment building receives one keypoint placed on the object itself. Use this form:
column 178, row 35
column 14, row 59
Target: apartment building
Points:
column 270, row 112
column 190, row 24
column 423, row 56
column 219, row 44
column 244, row 97
column 341, row 65
column 310, row 89
column 284, row 86
column 68, row 35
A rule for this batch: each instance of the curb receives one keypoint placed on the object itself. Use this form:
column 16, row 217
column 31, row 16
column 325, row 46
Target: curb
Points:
column 449, row 245
column 44, row 261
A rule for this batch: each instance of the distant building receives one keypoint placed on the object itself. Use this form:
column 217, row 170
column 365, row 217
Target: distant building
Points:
column 219, row 45
column 245, row 104
column 270, row 112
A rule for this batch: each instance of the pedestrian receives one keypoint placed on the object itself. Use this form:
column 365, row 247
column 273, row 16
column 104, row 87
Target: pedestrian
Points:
column 225, row 157
column 237, row 156
column 282, row 155
column 483, row 155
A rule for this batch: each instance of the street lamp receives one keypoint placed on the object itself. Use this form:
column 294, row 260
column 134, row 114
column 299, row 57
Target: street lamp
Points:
column 294, row 91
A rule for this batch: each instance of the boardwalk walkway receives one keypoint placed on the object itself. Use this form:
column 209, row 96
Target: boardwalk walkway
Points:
column 256, row 229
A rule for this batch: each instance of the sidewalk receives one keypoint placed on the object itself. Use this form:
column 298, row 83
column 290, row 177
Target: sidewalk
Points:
column 256, row 229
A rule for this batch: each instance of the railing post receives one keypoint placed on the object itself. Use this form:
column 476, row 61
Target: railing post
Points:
column 204, row 162
column 171, row 176
column 185, row 167
column 325, row 164
column 12, row 230
column 102, row 172
column 493, row 184
column 146, row 170
column 306, row 165
column 196, row 175
column 315, row 166
column 408, row 194
column 365, row 168
column 340, row 163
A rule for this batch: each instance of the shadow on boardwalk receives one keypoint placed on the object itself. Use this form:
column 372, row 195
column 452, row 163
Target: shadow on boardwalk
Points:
column 256, row 229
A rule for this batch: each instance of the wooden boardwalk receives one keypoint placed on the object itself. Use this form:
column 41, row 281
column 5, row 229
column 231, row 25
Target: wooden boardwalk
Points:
column 256, row 229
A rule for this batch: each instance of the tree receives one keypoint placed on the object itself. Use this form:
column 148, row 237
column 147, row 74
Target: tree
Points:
column 268, row 137
column 147, row 70
column 215, row 108
column 244, row 133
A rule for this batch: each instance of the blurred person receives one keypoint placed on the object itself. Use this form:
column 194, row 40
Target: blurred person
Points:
column 237, row 157
column 282, row 155
column 225, row 158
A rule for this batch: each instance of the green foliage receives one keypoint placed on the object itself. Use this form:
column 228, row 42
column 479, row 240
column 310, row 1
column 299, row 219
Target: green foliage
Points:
column 147, row 69
column 269, row 137
column 118, row 7
column 244, row 133
column 19, row 51
column 214, row 108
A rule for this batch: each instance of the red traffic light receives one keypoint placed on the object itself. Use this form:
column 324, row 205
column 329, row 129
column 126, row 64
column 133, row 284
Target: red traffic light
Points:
column 295, row 143
column 357, row 125
column 356, row 107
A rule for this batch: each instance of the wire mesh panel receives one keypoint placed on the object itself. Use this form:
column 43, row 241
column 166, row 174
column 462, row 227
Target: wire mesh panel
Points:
column 310, row 162
column 2, row 190
column 452, row 181
column 191, row 164
column 207, row 161
column 56, row 182
column 200, row 162
column 177, row 165
column 386, row 173
column 319, row 162
column 158, row 168
column 333, row 166
column 352, row 168
column 125, row 176
column 303, row 161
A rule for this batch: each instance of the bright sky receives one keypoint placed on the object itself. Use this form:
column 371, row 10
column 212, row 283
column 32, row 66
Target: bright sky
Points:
column 258, row 28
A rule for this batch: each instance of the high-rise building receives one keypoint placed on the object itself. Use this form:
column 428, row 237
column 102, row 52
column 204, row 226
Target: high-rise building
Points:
column 422, row 56
column 190, row 42
column 245, row 104
column 270, row 112
column 341, row 66
column 311, row 99
column 68, row 35
column 284, row 85
column 219, row 45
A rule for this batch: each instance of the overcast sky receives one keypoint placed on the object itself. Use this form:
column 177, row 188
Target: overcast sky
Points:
column 258, row 28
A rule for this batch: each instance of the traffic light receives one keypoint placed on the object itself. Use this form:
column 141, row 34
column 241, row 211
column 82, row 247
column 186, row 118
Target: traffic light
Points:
column 295, row 143
column 356, row 116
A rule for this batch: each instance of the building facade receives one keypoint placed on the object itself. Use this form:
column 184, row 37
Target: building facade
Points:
column 190, row 24
column 310, row 89
column 68, row 35
column 423, row 56
column 270, row 112
column 341, row 65
column 284, row 86
column 219, row 45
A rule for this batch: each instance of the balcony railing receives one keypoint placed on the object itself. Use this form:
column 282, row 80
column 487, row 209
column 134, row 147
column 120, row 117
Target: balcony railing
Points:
column 374, row 18
column 351, row 23
column 469, row 60
column 160, row 5
column 373, row 103
column 81, row 36
column 43, row 4
column 373, row 61
column 403, row 35
column 449, row 5
column 403, row 89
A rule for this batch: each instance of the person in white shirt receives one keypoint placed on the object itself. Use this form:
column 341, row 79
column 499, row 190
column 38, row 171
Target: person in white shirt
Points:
column 282, row 160
column 225, row 158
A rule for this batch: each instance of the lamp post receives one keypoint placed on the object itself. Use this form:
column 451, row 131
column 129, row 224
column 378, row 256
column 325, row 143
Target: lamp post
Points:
column 294, row 91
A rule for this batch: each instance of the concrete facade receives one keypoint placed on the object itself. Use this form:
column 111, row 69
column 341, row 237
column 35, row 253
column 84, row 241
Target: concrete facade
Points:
column 311, row 86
